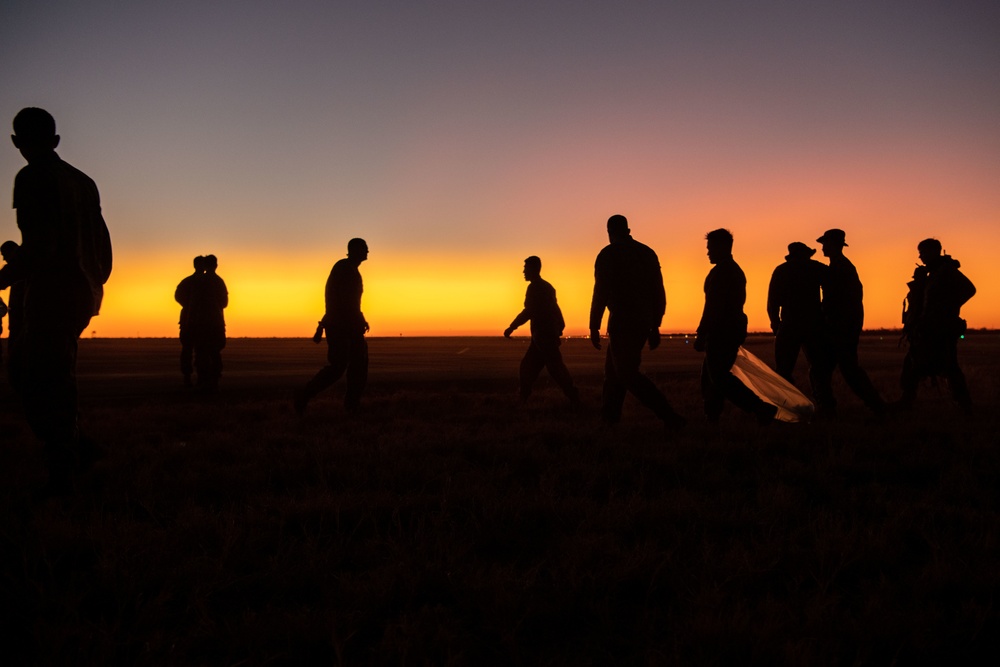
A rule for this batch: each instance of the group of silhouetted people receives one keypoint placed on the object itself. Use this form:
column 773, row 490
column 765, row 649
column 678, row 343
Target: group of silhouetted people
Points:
column 203, row 297
column 56, row 277
column 813, row 307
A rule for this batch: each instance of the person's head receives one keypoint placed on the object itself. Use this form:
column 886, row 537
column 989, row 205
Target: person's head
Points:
column 929, row 250
column 532, row 268
column 834, row 241
column 618, row 227
column 357, row 250
column 211, row 263
column 34, row 133
column 199, row 263
column 720, row 245
column 799, row 251
column 9, row 250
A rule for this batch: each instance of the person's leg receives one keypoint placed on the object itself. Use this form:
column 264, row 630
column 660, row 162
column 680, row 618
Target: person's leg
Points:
column 49, row 396
column 357, row 373
column 857, row 379
column 719, row 360
column 337, row 355
column 613, row 392
column 627, row 356
column 557, row 369
column 957, row 384
column 531, row 365
column 786, row 352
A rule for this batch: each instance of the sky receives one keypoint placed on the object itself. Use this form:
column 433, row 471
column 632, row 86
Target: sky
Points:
column 459, row 138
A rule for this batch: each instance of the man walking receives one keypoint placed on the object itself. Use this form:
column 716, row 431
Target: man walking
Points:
column 721, row 332
column 345, row 326
column 794, row 306
column 547, row 324
column 933, row 324
column 629, row 284
column 844, row 318
column 64, row 261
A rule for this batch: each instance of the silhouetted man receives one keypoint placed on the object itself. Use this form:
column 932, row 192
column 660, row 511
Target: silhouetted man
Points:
column 208, row 324
column 547, row 324
column 844, row 316
column 721, row 332
column 629, row 284
column 65, row 260
column 184, row 295
column 933, row 324
column 794, row 306
column 345, row 326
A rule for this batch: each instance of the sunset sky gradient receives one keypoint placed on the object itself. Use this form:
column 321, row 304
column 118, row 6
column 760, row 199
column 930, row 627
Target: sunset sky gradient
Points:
column 458, row 138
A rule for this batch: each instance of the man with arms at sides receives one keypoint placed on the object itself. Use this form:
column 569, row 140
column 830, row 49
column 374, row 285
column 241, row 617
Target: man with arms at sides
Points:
column 629, row 284
column 547, row 324
column 64, row 261
column 794, row 306
column 345, row 326
column 933, row 324
column 184, row 295
column 721, row 332
column 844, row 317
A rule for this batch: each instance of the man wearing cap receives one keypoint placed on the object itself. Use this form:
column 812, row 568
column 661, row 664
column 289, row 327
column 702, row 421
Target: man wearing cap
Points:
column 721, row 332
column 629, row 284
column 64, row 261
column 933, row 324
column 844, row 317
column 794, row 306
column 345, row 327
column 547, row 324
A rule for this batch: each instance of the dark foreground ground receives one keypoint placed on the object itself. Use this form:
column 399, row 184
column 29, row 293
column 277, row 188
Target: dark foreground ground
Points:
column 448, row 524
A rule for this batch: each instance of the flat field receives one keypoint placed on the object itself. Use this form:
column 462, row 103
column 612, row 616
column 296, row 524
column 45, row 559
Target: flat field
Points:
column 449, row 524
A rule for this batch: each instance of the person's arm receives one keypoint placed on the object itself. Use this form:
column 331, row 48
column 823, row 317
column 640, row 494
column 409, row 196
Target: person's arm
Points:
column 598, row 303
column 530, row 306
column 774, row 300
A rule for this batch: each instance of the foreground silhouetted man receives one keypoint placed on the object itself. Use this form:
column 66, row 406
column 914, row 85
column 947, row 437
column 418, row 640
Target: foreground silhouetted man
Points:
column 629, row 284
column 933, row 324
column 207, row 323
column 844, row 318
column 547, row 324
column 721, row 332
column 184, row 295
column 64, row 261
column 794, row 307
column 345, row 327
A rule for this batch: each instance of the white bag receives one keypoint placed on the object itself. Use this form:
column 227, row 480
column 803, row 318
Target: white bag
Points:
column 793, row 405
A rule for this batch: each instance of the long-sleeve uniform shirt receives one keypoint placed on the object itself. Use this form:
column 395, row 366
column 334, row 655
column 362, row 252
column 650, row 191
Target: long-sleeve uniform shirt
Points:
column 723, row 318
column 65, row 256
column 628, row 283
column 794, row 293
column 843, row 297
column 343, row 298
column 542, row 309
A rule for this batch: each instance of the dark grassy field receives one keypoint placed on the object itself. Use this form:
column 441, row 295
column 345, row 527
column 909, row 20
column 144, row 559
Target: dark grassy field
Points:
column 449, row 524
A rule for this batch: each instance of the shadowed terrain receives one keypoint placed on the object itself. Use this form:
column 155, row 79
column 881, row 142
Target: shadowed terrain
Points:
column 449, row 524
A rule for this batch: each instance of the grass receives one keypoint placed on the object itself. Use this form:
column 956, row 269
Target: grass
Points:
column 448, row 524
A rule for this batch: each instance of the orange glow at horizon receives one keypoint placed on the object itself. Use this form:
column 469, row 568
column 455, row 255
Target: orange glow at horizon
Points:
column 479, row 295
